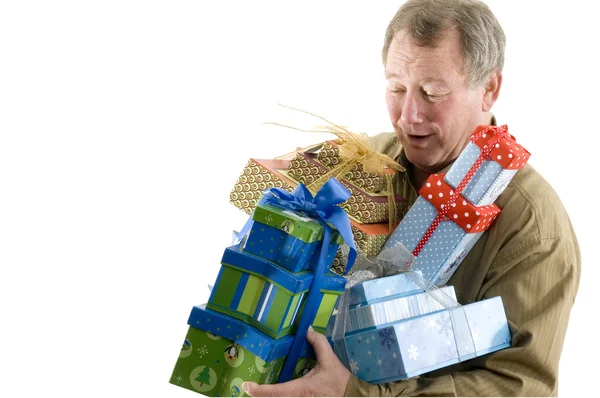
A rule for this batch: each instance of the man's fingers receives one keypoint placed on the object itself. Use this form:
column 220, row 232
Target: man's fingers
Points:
column 299, row 387
column 320, row 344
column 294, row 388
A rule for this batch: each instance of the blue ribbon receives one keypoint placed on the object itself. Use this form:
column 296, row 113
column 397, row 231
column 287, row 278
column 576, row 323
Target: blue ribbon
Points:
column 323, row 208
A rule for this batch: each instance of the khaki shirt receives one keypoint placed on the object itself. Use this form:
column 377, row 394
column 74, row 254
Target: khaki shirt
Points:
column 530, row 257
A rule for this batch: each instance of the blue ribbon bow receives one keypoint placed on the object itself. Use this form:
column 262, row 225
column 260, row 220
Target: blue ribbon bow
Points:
column 323, row 208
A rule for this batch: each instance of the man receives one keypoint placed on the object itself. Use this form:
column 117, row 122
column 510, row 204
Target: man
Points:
column 443, row 63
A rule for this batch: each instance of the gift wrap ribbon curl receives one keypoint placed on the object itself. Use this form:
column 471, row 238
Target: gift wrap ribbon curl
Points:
column 324, row 208
column 354, row 149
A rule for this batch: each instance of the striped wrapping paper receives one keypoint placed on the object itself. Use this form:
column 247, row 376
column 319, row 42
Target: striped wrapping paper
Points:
column 384, row 312
column 267, row 296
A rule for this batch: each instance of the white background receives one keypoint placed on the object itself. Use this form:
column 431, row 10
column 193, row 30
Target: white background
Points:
column 124, row 125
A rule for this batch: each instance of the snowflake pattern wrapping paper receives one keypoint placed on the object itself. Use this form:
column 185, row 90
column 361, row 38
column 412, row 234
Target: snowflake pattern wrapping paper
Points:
column 418, row 345
column 266, row 296
column 219, row 353
column 489, row 326
column 441, row 249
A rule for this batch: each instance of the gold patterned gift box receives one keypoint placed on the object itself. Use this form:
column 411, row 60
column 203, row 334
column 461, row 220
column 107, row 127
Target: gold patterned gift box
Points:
column 329, row 156
column 257, row 176
column 364, row 207
column 260, row 174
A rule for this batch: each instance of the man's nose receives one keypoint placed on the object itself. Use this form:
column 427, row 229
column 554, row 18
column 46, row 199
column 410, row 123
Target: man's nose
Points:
column 412, row 109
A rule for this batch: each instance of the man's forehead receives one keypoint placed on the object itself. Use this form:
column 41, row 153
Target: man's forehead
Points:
column 437, row 76
column 439, row 64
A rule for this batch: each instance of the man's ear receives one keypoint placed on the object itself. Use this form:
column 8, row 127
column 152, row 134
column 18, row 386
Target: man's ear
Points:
column 491, row 90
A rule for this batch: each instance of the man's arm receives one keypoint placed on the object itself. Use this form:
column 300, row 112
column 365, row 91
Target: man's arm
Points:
column 537, row 282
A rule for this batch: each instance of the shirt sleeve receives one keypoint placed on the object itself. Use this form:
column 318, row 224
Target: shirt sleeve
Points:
column 537, row 278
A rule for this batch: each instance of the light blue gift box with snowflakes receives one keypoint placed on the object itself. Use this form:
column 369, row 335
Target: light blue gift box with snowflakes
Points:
column 377, row 290
column 410, row 347
column 384, row 311
column 396, row 309
column 374, row 290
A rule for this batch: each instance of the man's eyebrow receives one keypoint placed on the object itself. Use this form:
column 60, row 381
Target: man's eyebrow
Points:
column 429, row 80
column 440, row 82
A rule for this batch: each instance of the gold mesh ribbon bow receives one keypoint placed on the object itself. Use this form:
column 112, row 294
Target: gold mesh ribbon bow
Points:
column 354, row 148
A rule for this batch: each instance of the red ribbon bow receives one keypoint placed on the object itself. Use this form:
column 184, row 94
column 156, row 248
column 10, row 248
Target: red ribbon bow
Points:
column 490, row 145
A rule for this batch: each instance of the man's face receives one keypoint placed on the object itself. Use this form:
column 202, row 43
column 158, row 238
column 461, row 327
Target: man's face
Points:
column 430, row 105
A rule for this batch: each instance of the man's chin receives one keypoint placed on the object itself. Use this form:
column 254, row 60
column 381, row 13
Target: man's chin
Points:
column 418, row 157
column 423, row 164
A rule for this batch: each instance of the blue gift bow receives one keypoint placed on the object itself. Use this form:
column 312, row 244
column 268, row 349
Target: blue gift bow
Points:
column 323, row 208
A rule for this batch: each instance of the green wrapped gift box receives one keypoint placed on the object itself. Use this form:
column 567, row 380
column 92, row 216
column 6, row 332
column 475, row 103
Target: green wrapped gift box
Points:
column 290, row 239
column 268, row 297
column 219, row 353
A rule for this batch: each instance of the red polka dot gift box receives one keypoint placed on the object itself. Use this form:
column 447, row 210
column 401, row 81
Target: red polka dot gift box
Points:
column 500, row 158
column 456, row 208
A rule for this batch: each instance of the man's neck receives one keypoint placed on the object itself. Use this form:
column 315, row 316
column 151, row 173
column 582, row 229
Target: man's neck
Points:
column 418, row 177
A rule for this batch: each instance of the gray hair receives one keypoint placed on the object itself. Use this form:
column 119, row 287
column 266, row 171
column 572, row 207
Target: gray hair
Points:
column 481, row 35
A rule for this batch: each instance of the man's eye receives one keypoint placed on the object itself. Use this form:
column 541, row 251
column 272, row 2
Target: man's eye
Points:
column 433, row 97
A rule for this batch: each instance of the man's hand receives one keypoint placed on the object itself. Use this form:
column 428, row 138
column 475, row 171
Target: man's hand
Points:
column 327, row 379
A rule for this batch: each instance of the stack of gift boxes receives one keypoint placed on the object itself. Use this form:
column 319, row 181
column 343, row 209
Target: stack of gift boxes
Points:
column 246, row 330
column 402, row 326
column 395, row 330
column 368, row 207
column 391, row 328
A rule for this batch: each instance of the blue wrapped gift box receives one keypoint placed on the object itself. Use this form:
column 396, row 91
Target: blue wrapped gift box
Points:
column 290, row 239
column 270, row 298
column 443, row 252
column 489, row 326
column 487, row 183
column 245, row 335
column 502, row 159
column 410, row 347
